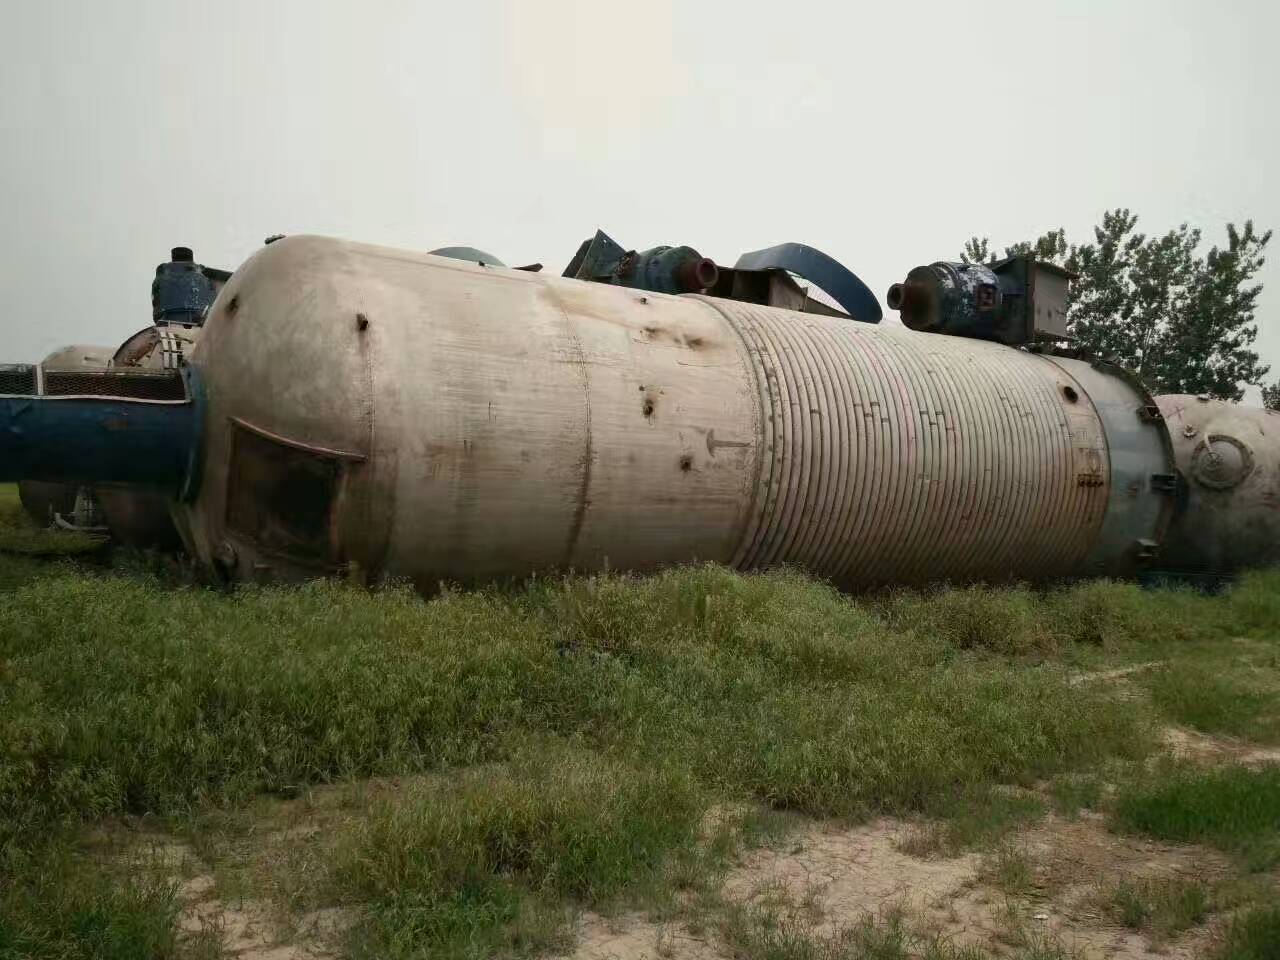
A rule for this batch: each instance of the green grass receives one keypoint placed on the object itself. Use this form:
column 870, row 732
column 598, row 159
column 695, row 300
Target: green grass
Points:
column 1008, row 868
column 1162, row 907
column 1219, row 698
column 131, row 698
column 1253, row 935
column 56, row 906
column 1234, row 808
column 972, row 819
column 20, row 536
column 461, row 867
column 1070, row 793
column 561, row 742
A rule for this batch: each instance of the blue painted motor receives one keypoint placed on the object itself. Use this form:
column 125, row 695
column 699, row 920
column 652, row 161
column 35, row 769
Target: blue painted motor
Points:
column 1014, row 301
column 182, row 291
column 660, row 269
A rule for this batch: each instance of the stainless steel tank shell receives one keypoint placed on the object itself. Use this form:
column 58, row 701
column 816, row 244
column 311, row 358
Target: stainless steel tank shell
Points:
column 78, row 357
column 1228, row 455
column 420, row 417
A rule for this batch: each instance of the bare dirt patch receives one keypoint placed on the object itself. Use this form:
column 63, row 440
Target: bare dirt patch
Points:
column 1120, row 673
column 244, row 928
column 634, row 937
column 1071, row 861
column 836, row 877
column 1202, row 748
column 846, row 874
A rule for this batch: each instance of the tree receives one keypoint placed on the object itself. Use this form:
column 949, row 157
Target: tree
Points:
column 1271, row 396
column 1182, row 322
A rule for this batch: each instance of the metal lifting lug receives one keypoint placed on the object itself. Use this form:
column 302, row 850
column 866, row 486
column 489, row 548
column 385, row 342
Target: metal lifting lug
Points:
column 1148, row 550
column 1164, row 482
column 1150, row 413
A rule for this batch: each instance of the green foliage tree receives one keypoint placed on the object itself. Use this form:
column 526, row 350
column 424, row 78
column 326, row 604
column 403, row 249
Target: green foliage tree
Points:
column 1181, row 321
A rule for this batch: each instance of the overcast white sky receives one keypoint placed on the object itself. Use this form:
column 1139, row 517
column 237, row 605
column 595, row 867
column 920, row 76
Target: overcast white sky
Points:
column 885, row 133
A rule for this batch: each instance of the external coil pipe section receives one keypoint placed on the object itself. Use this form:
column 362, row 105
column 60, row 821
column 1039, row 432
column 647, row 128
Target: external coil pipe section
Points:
column 889, row 456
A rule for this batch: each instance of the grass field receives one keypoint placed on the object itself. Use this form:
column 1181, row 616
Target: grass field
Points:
column 482, row 773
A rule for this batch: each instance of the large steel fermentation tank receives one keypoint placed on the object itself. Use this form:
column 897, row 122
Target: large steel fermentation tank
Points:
column 400, row 414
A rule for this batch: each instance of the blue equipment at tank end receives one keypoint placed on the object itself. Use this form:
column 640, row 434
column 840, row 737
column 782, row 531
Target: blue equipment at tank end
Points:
column 106, row 427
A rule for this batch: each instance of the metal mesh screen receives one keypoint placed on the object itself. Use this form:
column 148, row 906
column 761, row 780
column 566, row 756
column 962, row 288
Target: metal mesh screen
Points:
column 134, row 385
column 19, row 379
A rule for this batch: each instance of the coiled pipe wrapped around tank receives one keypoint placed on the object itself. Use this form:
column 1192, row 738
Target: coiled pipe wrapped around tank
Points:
column 407, row 415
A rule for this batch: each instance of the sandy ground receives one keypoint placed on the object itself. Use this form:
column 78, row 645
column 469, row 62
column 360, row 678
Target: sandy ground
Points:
column 844, row 875
column 831, row 877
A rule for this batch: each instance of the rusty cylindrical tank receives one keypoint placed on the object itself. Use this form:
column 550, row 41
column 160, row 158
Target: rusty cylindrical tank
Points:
column 413, row 416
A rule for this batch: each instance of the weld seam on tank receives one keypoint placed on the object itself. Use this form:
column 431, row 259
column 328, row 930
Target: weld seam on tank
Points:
column 901, row 466
column 920, row 475
column 887, row 439
column 1102, row 508
column 583, row 497
column 1040, row 466
column 797, row 461
column 775, row 459
column 779, row 405
column 814, row 491
column 943, row 471
column 1082, row 498
column 1008, row 469
column 971, row 434
column 1069, row 492
column 776, row 400
column 959, row 456
column 890, row 440
column 817, row 444
column 851, row 534
column 803, row 509
column 943, row 466
column 792, row 449
column 882, row 431
column 762, row 467
column 844, row 411
column 1073, row 541
column 1010, row 481
column 857, row 533
column 880, row 366
column 890, row 543
column 1021, row 469
column 767, row 481
column 818, row 530
column 1104, row 564
column 856, row 462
